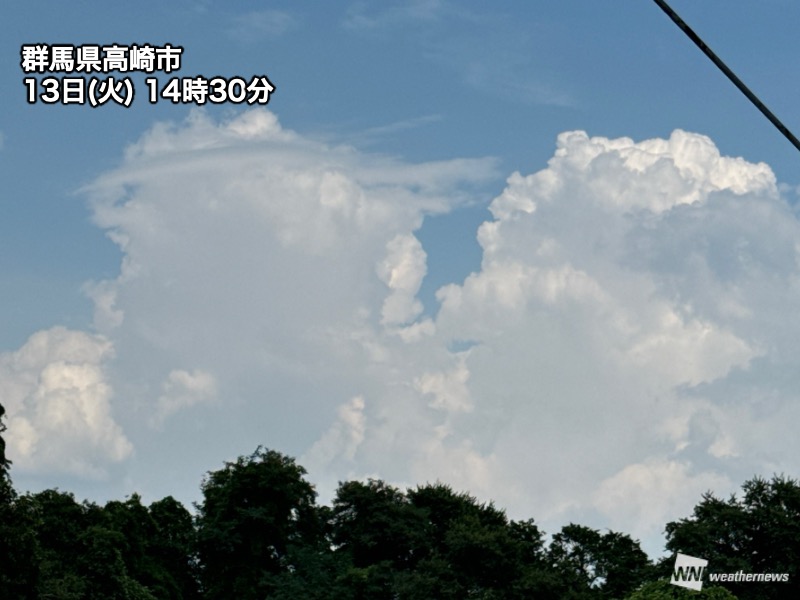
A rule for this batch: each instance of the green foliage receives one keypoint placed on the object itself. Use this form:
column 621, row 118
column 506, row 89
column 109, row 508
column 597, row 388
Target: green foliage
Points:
column 757, row 533
column 172, row 549
column 432, row 542
column 59, row 524
column 259, row 535
column 4, row 462
column 18, row 562
column 76, row 554
column 663, row 590
column 85, row 552
column 253, row 509
column 101, row 564
column 156, row 545
column 375, row 523
column 315, row 573
column 598, row 565
column 13, row 562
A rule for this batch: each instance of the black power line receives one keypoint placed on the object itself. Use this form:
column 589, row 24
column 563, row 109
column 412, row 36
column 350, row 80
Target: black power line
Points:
column 730, row 74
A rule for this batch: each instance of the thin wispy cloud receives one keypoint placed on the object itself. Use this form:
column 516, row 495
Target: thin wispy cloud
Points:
column 372, row 135
column 366, row 17
column 403, row 125
column 514, row 81
column 260, row 24
column 516, row 69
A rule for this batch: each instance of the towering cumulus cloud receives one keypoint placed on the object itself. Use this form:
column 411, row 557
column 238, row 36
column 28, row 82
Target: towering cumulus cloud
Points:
column 266, row 280
column 625, row 292
column 58, row 401
column 628, row 341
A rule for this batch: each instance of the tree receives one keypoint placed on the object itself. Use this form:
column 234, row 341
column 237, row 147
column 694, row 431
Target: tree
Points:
column 18, row 568
column 378, row 533
column 156, row 545
column 472, row 550
column 253, row 510
column 444, row 507
column 663, row 590
column 173, row 548
column 59, row 524
column 4, row 462
column 77, row 552
column 374, row 522
column 757, row 533
column 102, row 568
column 598, row 565
column 432, row 542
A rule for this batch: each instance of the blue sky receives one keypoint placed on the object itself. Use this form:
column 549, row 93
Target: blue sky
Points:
column 190, row 301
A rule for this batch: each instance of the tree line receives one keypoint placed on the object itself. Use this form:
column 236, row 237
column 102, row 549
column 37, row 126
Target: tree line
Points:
column 259, row 534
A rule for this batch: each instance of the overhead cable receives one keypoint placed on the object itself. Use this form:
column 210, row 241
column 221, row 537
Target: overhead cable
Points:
column 730, row 74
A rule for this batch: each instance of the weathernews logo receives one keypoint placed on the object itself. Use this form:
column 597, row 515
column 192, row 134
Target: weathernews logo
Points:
column 689, row 571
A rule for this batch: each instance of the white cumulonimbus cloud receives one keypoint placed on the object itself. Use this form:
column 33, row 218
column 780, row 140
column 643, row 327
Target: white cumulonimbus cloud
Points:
column 627, row 342
column 625, row 290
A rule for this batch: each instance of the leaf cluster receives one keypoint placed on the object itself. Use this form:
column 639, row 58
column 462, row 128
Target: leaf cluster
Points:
column 259, row 534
